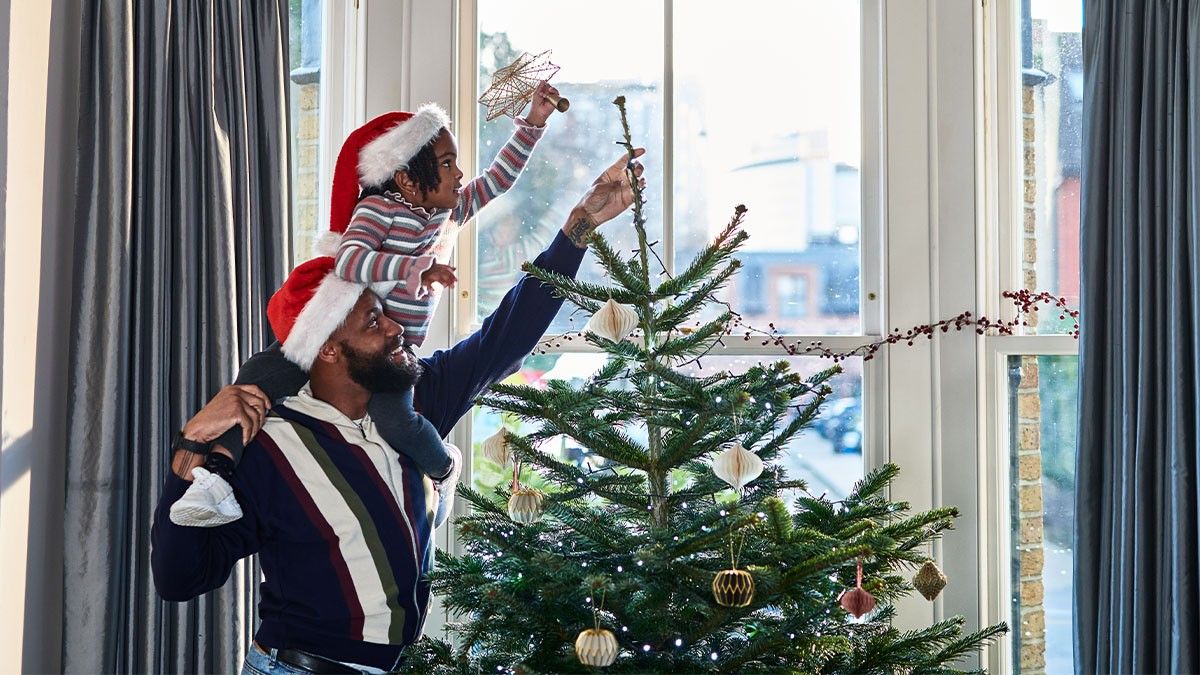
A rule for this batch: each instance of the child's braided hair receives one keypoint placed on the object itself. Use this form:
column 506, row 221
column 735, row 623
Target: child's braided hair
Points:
column 422, row 168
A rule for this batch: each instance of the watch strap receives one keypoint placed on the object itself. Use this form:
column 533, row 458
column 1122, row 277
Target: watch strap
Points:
column 183, row 443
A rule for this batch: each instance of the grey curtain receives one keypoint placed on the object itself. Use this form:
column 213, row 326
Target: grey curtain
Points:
column 1137, row 594
column 181, row 237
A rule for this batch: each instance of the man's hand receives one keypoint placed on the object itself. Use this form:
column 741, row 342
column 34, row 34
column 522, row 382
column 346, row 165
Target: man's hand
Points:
column 609, row 195
column 540, row 105
column 439, row 273
column 243, row 404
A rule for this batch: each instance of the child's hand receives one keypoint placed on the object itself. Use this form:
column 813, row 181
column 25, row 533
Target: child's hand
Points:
column 541, row 106
column 439, row 273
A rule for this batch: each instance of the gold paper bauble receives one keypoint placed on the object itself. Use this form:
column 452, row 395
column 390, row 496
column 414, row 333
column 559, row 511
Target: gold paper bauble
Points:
column 596, row 647
column 525, row 505
column 495, row 447
column 929, row 580
column 613, row 321
column 733, row 588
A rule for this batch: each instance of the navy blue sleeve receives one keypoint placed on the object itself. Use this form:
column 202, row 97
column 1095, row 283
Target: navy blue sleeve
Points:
column 454, row 377
column 189, row 561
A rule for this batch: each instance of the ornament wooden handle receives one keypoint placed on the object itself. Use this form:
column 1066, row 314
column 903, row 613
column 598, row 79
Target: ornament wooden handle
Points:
column 561, row 104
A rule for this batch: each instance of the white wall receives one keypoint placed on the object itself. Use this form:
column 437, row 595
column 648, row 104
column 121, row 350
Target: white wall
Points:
column 40, row 47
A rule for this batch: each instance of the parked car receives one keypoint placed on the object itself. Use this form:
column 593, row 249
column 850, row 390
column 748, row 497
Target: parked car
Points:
column 846, row 430
column 831, row 419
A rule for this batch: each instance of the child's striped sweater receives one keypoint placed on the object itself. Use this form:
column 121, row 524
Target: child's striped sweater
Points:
column 391, row 242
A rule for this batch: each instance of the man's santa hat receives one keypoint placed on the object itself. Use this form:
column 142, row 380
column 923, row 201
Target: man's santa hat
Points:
column 314, row 302
column 371, row 155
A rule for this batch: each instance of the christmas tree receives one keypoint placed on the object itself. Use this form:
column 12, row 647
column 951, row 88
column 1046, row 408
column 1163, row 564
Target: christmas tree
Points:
column 682, row 554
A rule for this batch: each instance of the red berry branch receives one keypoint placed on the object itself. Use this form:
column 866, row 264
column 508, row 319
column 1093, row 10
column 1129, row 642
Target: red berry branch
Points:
column 1026, row 304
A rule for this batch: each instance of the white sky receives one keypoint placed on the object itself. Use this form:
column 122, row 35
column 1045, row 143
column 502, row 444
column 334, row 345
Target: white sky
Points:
column 753, row 74
column 1063, row 16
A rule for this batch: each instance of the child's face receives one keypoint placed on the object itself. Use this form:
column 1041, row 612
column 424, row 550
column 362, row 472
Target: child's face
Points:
column 445, row 148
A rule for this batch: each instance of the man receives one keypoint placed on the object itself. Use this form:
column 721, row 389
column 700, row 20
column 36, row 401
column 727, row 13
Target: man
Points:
column 341, row 521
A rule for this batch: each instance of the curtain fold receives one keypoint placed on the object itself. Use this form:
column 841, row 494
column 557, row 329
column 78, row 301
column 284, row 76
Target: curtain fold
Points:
column 182, row 234
column 1137, row 593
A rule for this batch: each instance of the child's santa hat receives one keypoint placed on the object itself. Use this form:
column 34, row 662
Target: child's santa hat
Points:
column 314, row 301
column 371, row 155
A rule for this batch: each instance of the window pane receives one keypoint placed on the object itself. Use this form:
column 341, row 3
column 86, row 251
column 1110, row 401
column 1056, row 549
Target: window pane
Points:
column 304, row 91
column 767, row 114
column 605, row 50
column 1052, row 133
column 828, row 456
column 1042, row 435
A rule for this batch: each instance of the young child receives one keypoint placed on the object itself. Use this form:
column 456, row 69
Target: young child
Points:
column 397, row 204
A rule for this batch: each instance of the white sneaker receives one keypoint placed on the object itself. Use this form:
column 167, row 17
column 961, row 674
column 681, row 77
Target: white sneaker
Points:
column 208, row 502
column 448, row 486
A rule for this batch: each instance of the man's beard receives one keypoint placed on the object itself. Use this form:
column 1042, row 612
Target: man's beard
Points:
column 377, row 373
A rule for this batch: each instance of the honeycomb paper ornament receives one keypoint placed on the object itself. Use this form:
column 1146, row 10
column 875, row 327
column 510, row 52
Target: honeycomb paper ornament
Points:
column 930, row 580
column 733, row 588
column 525, row 506
column 496, row 448
column 613, row 321
column 596, row 647
column 857, row 600
column 737, row 466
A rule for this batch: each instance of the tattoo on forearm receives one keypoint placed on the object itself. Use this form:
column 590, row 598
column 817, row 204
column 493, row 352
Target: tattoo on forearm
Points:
column 580, row 231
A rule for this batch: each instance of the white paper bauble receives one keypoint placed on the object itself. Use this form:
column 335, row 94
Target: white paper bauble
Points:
column 737, row 466
column 496, row 448
column 525, row 506
column 613, row 321
column 596, row 647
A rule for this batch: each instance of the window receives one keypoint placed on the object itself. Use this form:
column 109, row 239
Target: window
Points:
column 1052, row 134
column 721, row 128
column 1038, row 110
column 1042, row 434
column 305, row 121
column 791, row 296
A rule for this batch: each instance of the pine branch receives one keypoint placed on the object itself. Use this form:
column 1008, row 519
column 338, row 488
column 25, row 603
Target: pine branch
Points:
column 587, row 296
column 719, row 250
column 601, row 531
column 963, row 646
column 673, row 315
column 616, row 266
column 624, row 349
column 694, row 343
column 875, row 482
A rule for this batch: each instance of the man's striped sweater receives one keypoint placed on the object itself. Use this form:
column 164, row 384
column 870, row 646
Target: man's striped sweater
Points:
column 391, row 242
column 342, row 523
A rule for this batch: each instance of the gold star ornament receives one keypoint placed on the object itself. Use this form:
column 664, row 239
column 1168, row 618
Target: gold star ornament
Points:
column 513, row 85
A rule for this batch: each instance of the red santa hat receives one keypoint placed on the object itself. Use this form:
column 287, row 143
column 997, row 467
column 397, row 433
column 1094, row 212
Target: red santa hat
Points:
column 371, row 155
column 314, row 302
column 310, row 305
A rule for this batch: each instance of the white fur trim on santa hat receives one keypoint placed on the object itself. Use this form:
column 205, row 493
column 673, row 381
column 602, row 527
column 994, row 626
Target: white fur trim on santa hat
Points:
column 392, row 150
column 327, row 244
column 320, row 318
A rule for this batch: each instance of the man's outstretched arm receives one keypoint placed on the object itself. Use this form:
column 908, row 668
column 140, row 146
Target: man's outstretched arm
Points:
column 455, row 376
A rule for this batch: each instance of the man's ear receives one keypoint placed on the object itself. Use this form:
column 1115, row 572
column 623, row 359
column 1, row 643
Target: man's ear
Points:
column 329, row 352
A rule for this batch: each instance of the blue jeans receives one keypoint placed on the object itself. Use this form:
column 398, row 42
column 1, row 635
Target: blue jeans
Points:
column 259, row 662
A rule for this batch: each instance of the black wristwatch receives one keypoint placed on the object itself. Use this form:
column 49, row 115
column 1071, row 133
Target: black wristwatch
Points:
column 181, row 443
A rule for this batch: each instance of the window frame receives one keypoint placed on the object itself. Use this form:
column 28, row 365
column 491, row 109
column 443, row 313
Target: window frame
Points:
column 898, row 388
column 926, row 198
column 1003, row 221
